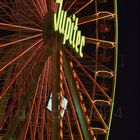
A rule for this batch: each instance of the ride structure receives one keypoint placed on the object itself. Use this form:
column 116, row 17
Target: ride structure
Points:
column 58, row 66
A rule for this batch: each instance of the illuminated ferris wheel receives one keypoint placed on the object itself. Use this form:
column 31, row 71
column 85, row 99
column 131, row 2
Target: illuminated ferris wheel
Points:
column 58, row 65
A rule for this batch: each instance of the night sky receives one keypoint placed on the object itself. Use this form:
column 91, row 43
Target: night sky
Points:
column 126, row 118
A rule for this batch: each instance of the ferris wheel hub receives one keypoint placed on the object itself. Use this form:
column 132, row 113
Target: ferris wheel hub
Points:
column 48, row 25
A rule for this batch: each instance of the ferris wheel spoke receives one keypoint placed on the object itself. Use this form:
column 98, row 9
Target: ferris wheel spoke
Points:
column 85, row 5
column 11, row 107
column 95, row 17
column 21, row 14
column 31, row 88
column 20, row 40
column 48, row 126
column 45, row 5
column 29, row 19
column 32, row 11
column 31, row 110
column 17, row 95
column 65, row 3
column 16, row 4
column 39, row 12
column 9, row 15
column 93, row 102
column 19, row 72
column 20, row 55
column 88, row 75
column 100, row 117
column 5, row 5
column 41, row 7
column 78, row 63
column 100, row 65
column 95, row 41
column 18, row 27
column 5, row 37
column 71, row 5
column 73, row 109
column 4, row 20
column 11, row 3
column 44, row 99
column 44, row 103
column 83, row 88
column 69, row 125
column 73, row 89
column 38, row 107
column 33, row 16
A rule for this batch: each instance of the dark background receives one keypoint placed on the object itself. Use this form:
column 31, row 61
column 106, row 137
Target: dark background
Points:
column 126, row 118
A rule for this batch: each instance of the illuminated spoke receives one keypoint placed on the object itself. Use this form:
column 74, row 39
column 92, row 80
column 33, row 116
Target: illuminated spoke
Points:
column 95, row 17
column 9, row 15
column 11, row 107
column 69, row 125
column 73, row 110
column 34, row 13
column 40, row 7
column 66, row 2
column 84, row 6
column 39, row 12
column 92, row 102
column 8, row 36
column 44, row 103
column 94, row 81
column 4, row 20
column 45, row 5
column 20, row 55
column 19, row 27
column 20, row 40
column 31, row 110
column 71, row 5
column 19, row 72
column 22, row 15
column 95, row 41
column 38, row 107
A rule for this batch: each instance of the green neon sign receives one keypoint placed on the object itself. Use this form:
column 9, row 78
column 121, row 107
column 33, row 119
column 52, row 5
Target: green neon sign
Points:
column 68, row 27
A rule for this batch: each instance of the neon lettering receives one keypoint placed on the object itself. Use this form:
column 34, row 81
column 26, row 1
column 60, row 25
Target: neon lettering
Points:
column 68, row 27
column 78, row 39
column 67, row 30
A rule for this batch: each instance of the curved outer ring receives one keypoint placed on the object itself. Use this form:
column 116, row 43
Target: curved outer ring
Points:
column 115, row 68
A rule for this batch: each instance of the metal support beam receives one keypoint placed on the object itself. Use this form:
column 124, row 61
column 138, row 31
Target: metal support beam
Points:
column 55, row 90
column 72, row 85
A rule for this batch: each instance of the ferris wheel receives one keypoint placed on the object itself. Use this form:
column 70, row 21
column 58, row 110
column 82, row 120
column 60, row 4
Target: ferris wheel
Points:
column 58, row 66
